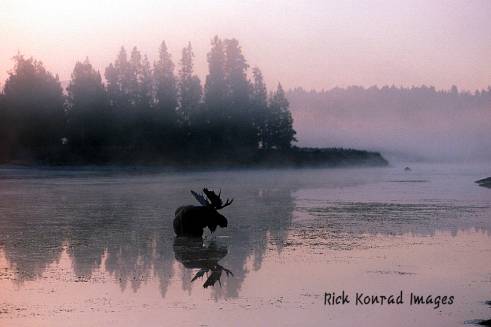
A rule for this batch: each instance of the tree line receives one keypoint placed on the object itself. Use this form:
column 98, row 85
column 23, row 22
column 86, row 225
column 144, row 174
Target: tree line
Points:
column 156, row 111
column 414, row 99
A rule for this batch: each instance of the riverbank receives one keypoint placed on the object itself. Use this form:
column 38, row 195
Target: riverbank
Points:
column 294, row 157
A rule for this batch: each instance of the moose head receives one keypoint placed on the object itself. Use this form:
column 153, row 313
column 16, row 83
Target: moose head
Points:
column 190, row 220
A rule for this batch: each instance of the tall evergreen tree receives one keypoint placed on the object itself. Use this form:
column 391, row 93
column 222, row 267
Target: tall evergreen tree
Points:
column 129, row 88
column 133, row 78
column 35, row 100
column 216, row 100
column 280, row 133
column 259, row 100
column 216, row 88
column 165, row 84
column 6, row 131
column 118, row 77
column 190, row 90
column 145, row 81
column 139, row 80
column 236, row 70
column 140, row 122
column 88, row 120
column 241, row 133
column 166, row 119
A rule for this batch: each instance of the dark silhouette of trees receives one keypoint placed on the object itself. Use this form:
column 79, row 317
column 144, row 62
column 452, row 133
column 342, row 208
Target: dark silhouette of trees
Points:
column 190, row 90
column 88, row 118
column 166, row 116
column 141, row 116
column 216, row 84
column 279, row 132
column 242, row 134
column 4, row 133
column 228, row 101
column 259, row 101
column 118, row 77
column 130, row 92
column 34, row 110
column 6, row 137
column 191, row 118
column 144, row 112
column 215, row 98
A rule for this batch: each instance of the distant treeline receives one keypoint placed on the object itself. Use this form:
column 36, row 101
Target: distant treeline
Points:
column 416, row 123
column 388, row 98
column 143, row 112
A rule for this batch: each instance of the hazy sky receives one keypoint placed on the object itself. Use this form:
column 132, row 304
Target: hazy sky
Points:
column 314, row 44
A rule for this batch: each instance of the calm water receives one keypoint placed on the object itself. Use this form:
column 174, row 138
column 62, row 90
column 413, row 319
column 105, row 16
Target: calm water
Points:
column 85, row 248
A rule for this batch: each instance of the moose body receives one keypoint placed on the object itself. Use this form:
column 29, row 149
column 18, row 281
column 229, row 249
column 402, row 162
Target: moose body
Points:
column 191, row 220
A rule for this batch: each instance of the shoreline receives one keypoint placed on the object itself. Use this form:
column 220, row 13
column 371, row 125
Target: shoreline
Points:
column 294, row 158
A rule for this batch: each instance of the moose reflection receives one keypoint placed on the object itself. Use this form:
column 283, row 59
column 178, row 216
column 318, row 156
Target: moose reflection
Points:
column 190, row 220
column 194, row 254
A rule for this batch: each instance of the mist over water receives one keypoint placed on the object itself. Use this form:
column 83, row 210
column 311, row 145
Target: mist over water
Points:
column 404, row 124
column 97, row 246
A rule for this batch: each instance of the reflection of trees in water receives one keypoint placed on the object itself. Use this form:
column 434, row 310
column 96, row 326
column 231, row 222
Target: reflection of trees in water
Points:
column 31, row 231
column 126, row 228
column 124, row 224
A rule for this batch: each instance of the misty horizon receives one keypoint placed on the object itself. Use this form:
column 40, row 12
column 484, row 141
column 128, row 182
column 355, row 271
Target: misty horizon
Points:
column 405, row 124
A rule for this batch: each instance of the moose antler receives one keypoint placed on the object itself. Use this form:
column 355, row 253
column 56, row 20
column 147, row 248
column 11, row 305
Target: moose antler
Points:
column 215, row 200
column 216, row 274
column 200, row 198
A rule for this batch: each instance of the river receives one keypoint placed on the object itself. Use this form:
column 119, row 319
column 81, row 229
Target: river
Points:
column 95, row 247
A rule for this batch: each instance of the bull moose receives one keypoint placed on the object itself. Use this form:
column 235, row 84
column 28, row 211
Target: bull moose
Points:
column 191, row 220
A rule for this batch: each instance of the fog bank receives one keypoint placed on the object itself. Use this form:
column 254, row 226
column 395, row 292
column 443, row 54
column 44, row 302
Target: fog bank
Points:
column 405, row 123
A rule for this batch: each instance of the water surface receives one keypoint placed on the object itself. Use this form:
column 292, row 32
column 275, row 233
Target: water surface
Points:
column 96, row 247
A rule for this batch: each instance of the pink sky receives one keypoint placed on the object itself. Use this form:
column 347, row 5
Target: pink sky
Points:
column 314, row 44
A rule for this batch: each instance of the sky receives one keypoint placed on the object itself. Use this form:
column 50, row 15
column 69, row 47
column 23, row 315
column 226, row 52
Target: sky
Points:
column 316, row 44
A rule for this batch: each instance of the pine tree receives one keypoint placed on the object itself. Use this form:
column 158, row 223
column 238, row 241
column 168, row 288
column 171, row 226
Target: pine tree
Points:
column 145, row 82
column 241, row 132
column 259, row 99
column 280, row 133
column 166, row 127
column 88, row 121
column 236, row 71
column 216, row 89
column 190, row 91
column 118, row 77
column 165, row 84
column 216, row 101
column 6, row 131
column 35, row 100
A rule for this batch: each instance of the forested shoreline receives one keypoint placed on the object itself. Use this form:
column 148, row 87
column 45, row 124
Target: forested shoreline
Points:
column 155, row 113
